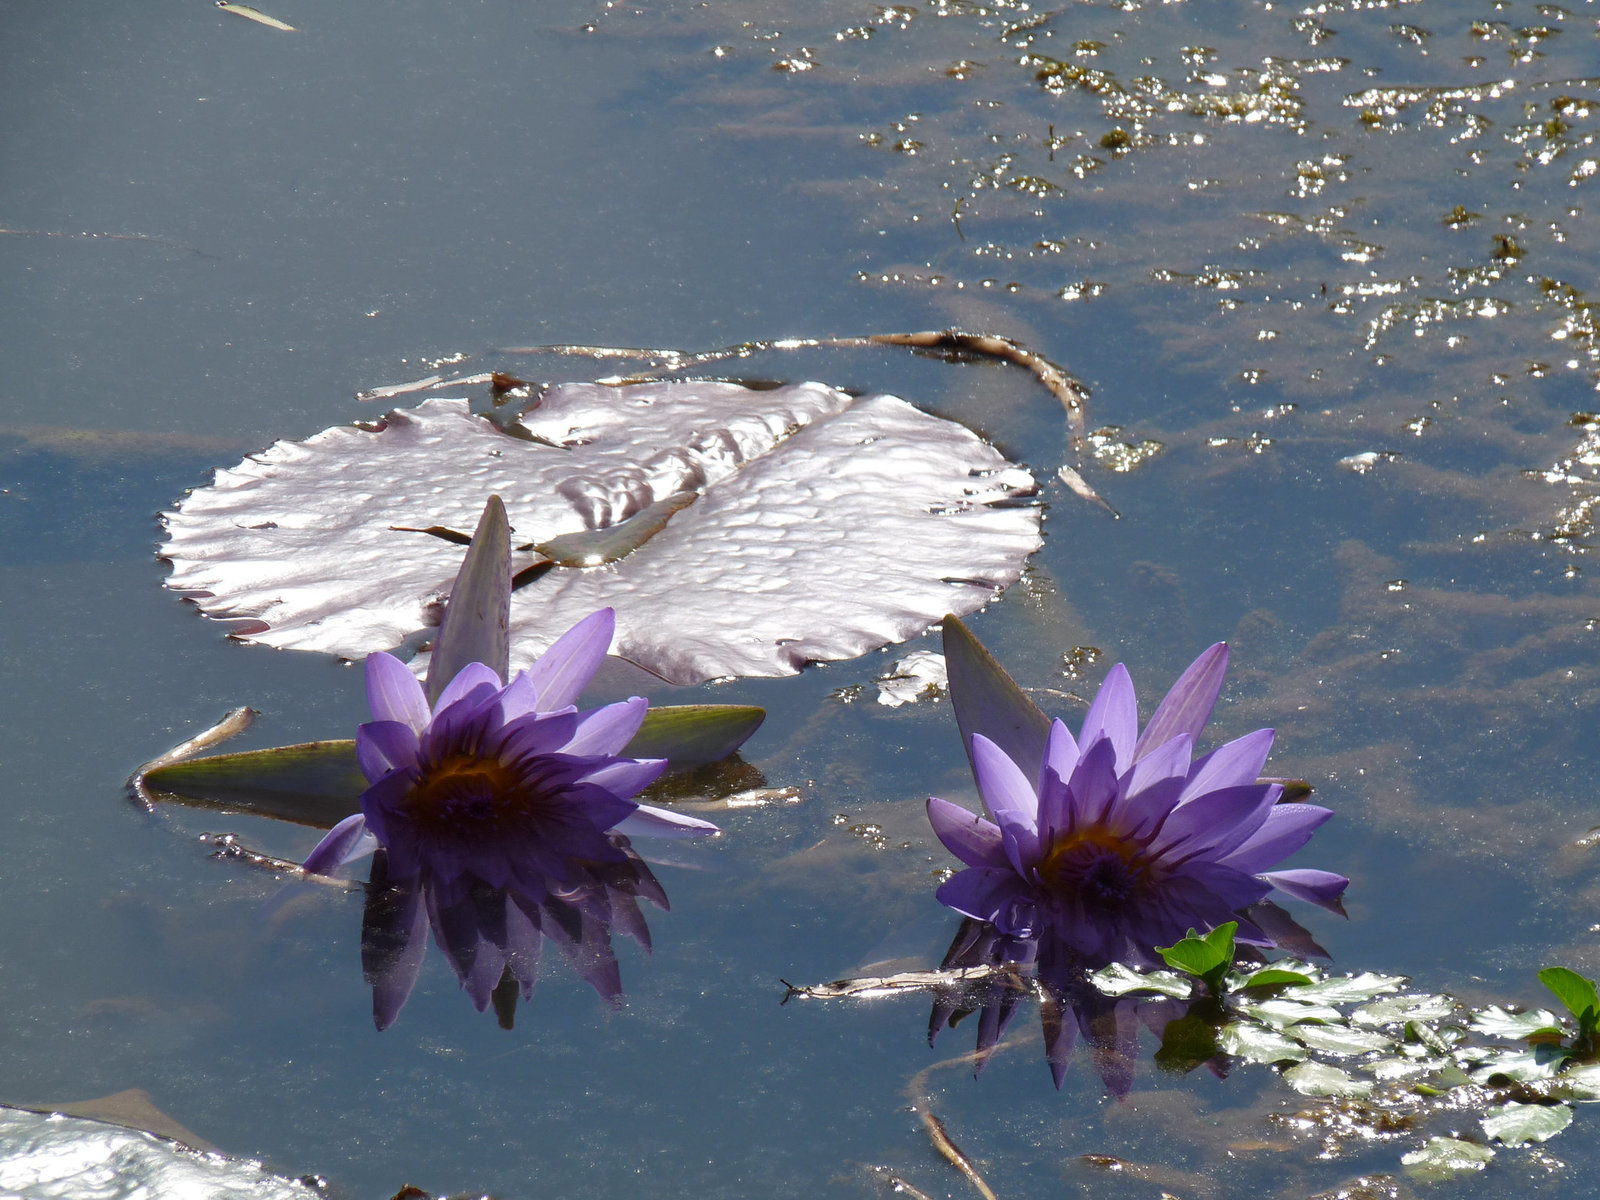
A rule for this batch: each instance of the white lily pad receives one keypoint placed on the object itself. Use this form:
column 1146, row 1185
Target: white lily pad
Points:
column 1514, row 1123
column 1282, row 1013
column 1397, row 1010
column 1319, row 1079
column 1443, row 1158
column 1521, row 1065
column 1118, row 979
column 1350, row 989
column 1580, row 1082
column 1495, row 1021
column 1340, row 1039
column 1258, row 1044
column 777, row 527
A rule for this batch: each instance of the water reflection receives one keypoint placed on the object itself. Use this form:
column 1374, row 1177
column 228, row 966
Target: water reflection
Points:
column 1056, row 963
column 492, row 937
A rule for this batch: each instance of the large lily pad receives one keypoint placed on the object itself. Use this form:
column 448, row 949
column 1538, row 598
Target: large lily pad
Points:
column 774, row 527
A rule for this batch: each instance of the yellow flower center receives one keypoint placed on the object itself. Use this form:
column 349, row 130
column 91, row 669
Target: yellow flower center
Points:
column 1094, row 865
column 467, row 787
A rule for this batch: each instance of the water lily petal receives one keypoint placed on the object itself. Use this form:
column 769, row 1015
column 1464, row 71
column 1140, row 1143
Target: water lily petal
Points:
column 393, row 692
column 1055, row 805
column 1221, row 818
column 982, row 893
column 394, row 938
column 1187, row 706
column 1209, row 890
column 532, row 735
column 649, row 821
column 384, row 746
column 476, row 625
column 1230, row 765
column 564, row 670
column 1010, row 799
column 1093, row 785
column 1061, row 749
column 1322, row 888
column 988, row 701
column 1168, row 760
column 1286, row 829
column 608, row 730
column 626, row 777
column 968, row 836
column 518, row 699
column 345, row 842
column 471, row 678
column 1115, row 715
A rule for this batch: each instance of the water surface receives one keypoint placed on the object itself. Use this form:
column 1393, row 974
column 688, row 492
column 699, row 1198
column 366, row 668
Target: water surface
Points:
column 1353, row 312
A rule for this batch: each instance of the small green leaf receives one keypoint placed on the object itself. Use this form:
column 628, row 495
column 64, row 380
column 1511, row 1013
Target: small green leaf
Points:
column 1424, row 1034
column 1209, row 957
column 477, row 619
column 691, row 735
column 1574, row 991
column 1386, row 1070
column 1284, row 1012
column 315, row 783
column 1580, row 1081
column 1273, row 977
column 1453, row 1076
column 1515, row 1124
column 1522, row 1066
column 1445, row 1158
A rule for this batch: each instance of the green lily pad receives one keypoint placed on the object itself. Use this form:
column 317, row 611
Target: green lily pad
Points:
column 1274, row 977
column 735, row 531
column 320, row 783
column 314, row 783
column 692, row 735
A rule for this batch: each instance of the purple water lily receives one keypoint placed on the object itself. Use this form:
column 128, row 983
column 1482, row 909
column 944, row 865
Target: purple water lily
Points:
column 1101, row 847
column 500, row 813
column 1119, row 823
column 509, row 784
column 501, row 803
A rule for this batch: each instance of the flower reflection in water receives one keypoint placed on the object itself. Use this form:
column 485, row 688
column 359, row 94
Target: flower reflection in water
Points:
column 492, row 936
column 1056, row 963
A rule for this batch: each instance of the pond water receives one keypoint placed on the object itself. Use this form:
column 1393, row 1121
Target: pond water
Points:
column 1326, row 269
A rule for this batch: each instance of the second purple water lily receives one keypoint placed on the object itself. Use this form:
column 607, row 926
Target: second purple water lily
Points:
column 1098, row 848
